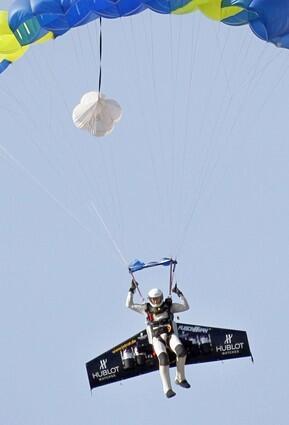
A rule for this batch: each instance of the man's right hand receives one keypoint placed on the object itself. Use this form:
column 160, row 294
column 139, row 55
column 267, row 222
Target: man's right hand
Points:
column 133, row 286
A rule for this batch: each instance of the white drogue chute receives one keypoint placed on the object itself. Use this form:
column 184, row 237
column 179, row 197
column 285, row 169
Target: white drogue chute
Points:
column 96, row 114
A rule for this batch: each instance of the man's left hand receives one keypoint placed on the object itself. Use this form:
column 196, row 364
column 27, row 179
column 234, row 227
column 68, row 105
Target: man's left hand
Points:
column 177, row 291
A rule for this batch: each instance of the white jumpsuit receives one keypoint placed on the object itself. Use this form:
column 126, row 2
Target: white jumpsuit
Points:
column 159, row 343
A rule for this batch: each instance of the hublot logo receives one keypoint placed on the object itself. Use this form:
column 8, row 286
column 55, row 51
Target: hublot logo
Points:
column 228, row 347
column 103, row 363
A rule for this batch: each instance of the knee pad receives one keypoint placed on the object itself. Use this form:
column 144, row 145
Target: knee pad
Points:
column 180, row 350
column 163, row 359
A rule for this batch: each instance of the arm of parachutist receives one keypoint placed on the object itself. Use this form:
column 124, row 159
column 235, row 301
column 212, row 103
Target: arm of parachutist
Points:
column 139, row 308
column 182, row 306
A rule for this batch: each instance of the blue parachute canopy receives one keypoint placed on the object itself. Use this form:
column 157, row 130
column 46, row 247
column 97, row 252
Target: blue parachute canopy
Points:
column 29, row 21
column 137, row 265
column 3, row 65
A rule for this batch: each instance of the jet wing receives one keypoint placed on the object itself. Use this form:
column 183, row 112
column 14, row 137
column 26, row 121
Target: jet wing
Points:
column 136, row 356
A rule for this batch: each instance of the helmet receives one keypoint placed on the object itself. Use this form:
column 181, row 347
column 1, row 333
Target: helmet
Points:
column 155, row 297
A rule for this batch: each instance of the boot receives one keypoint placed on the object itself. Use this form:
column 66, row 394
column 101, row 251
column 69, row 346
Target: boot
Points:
column 170, row 393
column 184, row 383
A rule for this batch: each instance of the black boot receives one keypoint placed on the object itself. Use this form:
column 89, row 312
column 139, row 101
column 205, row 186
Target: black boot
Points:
column 183, row 383
column 170, row 393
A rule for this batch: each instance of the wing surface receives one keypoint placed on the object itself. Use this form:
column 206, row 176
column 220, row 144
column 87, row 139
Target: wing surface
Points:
column 135, row 356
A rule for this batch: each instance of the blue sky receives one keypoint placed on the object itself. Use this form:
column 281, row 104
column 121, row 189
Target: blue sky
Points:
column 197, row 167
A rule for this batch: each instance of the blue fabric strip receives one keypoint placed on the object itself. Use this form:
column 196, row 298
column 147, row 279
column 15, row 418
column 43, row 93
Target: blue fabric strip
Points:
column 137, row 265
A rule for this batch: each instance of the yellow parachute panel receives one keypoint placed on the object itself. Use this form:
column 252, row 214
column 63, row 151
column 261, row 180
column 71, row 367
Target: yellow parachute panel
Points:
column 212, row 9
column 10, row 49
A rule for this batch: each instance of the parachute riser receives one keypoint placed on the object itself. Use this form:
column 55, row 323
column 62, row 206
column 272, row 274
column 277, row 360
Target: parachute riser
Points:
column 172, row 275
column 173, row 264
column 136, row 284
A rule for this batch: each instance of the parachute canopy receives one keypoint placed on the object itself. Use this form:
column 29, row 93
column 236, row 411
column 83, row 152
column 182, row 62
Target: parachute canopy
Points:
column 29, row 21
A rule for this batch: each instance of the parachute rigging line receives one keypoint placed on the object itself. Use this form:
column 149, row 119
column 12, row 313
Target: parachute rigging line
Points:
column 136, row 285
column 16, row 162
column 116, row 247
column 138, row 265
column 172, row 273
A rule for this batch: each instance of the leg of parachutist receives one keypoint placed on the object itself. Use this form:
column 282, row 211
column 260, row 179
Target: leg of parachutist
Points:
column 164, row 367
column 181, row 356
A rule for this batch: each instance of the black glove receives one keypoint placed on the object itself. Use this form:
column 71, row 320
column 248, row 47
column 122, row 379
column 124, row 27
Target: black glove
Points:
column 177, row 291
column 133, row 286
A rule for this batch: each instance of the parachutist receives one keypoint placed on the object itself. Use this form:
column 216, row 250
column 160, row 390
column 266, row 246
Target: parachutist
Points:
column 162, row 332
column 154, row 347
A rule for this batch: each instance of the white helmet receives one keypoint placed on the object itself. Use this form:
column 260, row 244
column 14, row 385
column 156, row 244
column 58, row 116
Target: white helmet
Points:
column 155, row 297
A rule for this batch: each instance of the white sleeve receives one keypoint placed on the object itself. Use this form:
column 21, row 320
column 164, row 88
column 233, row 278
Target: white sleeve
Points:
column 139, row 308
column 179, row 307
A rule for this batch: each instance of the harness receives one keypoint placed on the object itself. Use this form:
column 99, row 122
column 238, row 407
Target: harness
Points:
column 162, row 326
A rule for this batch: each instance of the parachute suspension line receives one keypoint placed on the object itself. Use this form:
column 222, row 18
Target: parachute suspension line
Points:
column 210, row 152
column 71, row 150
column 77, row 160
column 172, row 273
column 31, row 122
column 272, row 90
column 41, row 185
column 240, row 102
column 187, row 169
column 183, row 168
column 196, row 172
column 112, row 183
column 115, row 245
column 171, row 279
column 137, row 285
column 177, row 73
column 156, row 104
column 201, row 177
column 171, row 111
column 56, row 169
column 100, row 54
column 151, row 132
column 251, row 79
column 225, row 111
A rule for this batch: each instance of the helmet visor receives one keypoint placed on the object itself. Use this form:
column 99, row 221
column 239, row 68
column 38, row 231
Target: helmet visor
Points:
column 156, row 300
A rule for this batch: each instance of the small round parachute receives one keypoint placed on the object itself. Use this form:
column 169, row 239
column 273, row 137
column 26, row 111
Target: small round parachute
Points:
column 96, row 114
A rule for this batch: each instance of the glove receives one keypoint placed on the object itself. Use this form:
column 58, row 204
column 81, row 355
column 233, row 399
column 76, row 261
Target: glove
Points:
column 133, row 286
column 177, row 291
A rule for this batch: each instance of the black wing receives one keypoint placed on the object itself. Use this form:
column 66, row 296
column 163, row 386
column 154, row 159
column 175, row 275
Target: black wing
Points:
column 136, row 356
